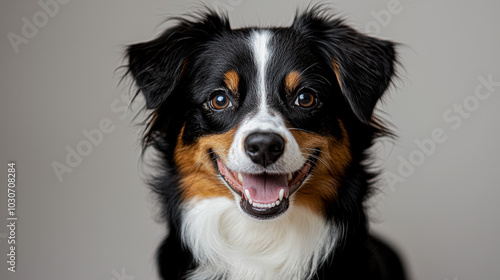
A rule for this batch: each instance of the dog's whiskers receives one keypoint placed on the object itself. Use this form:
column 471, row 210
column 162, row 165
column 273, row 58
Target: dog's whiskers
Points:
column 318, row 158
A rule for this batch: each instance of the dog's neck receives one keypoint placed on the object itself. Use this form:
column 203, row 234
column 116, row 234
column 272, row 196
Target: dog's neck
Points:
column 227, row 244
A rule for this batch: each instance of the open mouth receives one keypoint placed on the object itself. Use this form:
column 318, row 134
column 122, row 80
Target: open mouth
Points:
column 264, row 195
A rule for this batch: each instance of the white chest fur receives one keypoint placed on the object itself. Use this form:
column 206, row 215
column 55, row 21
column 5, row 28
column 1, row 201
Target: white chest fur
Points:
column 226, row 242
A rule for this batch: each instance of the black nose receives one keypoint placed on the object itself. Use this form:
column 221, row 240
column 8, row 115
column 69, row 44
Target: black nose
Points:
column 264, row 148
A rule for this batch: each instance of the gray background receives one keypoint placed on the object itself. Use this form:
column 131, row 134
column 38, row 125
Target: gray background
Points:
column 98, row 222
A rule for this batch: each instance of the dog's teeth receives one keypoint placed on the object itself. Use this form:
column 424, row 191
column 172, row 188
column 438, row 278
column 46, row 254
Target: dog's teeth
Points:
column 247, row 194
column 240, row 177
column 262, row 205
column 290, row 177
column 282, row 192
column 249, row 198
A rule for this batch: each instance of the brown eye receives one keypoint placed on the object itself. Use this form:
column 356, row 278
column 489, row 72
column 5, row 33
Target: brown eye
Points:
column 305, row 100
column 220, row 102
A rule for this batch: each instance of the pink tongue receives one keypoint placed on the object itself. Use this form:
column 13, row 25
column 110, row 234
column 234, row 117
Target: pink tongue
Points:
column 265, row 188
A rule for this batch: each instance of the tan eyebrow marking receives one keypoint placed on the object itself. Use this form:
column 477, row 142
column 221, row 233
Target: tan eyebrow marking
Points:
column 232, row 80
column 292, row 80
column 336, row 69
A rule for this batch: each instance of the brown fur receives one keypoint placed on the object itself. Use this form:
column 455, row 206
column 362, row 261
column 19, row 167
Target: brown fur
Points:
column 198, row 173
column 292, row 80
column 336, row 69
column 334, row 158
column 232, row 80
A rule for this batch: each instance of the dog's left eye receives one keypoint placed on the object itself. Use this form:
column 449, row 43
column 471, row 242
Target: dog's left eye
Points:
column 306, row 100
column 220, row 101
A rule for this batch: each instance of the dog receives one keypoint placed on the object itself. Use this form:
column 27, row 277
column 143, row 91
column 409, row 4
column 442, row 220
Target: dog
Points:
column 262, row 138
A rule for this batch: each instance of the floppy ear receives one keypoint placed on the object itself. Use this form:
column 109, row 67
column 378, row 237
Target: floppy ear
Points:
column 364, row 65
column 158, row 65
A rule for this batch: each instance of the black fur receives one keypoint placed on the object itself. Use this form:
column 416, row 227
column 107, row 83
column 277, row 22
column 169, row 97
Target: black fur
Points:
column 178, row 72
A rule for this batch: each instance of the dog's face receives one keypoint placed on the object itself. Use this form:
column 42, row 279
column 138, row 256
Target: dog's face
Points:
column 261, row 116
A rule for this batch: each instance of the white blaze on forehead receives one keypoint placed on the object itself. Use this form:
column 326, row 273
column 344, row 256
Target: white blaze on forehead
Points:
column 260, row 48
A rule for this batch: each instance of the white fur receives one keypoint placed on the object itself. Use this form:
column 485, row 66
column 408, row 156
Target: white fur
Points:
column 261, row 52
column 264, row 120
column 228, row 243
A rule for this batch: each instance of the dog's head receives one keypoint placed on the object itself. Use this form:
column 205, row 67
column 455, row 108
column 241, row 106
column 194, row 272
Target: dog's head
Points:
column 265, row 116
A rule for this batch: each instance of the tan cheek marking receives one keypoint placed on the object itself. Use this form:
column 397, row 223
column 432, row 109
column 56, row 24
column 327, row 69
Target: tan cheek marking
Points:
column 336, row 69
column 198, row 175
column 335, row 157
column 232, row 80
column 292, row 81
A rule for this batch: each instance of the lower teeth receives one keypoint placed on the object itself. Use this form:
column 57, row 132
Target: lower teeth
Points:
column 260, row 205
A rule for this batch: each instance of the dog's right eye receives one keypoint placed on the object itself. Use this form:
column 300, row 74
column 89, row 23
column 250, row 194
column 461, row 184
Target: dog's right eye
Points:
column 306, row 100
column 220, row 101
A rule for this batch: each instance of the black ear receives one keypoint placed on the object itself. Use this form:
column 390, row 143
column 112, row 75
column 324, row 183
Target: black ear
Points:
column 364, row 65
column 158, row 65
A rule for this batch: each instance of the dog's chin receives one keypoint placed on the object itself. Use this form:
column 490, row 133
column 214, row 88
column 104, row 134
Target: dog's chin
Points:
column 265, row 196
